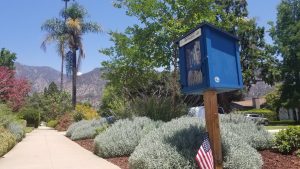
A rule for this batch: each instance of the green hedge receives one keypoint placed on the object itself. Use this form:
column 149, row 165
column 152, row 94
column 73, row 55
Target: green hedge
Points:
column 7, row 141
column 6, row 115
column 283, row 123
column 31, row 115
column 269, row 114
column 288, row 140
column 52, row 123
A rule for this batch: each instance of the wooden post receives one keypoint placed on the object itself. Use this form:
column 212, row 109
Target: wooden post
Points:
column 213, row 126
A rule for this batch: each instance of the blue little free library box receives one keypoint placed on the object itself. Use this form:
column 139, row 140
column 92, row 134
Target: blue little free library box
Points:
column 209, row 60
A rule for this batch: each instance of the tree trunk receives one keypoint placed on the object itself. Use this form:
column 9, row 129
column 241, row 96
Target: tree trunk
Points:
column 74, row 77
column 62, row 74
column 175, row 79
column 294, row 115
column 277, row 113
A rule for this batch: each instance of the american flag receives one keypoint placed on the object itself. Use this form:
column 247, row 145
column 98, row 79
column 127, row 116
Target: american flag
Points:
column 204, row 155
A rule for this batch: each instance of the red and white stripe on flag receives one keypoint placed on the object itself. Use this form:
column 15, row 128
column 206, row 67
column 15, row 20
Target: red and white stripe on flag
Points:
column 204, row 155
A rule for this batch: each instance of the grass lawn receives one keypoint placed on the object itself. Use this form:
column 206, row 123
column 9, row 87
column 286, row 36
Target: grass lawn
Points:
column 277, row 127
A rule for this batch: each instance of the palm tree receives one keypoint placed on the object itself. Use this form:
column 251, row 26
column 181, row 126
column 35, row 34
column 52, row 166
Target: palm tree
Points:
column 56, row 35
column 76, row 27
column 71, row 33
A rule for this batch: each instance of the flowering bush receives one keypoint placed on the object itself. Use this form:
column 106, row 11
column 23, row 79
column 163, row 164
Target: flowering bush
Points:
column 12, row 90
column 64, row 122
column 88, row 112
column 123, row 136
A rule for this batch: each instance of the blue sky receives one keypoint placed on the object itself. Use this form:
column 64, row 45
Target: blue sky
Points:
column 21, row 21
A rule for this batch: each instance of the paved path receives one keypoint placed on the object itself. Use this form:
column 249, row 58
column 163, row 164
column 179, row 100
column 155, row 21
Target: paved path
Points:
column 48, row 149
column 274, row 131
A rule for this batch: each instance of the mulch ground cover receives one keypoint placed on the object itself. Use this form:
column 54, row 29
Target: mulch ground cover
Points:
column 122, row 162
column 272, row 160
column 88, row 144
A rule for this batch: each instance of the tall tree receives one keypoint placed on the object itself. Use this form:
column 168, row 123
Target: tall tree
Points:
column 72, row 31
column 163, row 21
column 7, row 58
column 286, row 35
column 257, row 57
column 56, row 35
column 76, row 27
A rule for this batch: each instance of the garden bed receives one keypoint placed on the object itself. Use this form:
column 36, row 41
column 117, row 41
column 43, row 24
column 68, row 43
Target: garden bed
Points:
column 122, row 162
column 274, row 160
column 88, row 144
column 271, row 159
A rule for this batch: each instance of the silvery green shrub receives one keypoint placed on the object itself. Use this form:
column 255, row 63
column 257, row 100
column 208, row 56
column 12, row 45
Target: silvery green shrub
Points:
column 175, row 144
column 17, row 130
column 84, row 132
column 238, row 154
column 123, row 136
column 75, row 125
column 253, row 134
column 88, row 130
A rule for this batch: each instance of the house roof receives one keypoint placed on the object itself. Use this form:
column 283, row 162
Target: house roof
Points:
column 249, row 103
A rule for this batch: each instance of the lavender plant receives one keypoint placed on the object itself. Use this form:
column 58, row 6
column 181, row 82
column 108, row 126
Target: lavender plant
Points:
column 175, row 144
column 89, row 129
column 123, row 136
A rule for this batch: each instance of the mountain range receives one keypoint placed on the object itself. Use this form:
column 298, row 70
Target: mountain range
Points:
column 89, row 85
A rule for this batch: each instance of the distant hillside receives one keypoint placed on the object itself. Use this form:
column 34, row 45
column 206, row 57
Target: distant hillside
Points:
column 89, row 85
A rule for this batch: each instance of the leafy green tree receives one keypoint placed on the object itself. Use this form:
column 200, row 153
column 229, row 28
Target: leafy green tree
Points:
column 51, row 90
column 52, row 103
column 149, row 45
column 73, row 30
column 273, row 99
column 7, row 58
column 286, row 35
column 257, row 57
column 127, row 72
column 164, row 21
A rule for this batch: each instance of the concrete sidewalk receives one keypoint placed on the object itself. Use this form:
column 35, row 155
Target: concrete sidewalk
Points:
column 274, row 131
column 48, row 149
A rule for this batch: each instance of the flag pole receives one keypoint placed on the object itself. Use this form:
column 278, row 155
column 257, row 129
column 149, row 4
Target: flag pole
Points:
column 213, row 126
